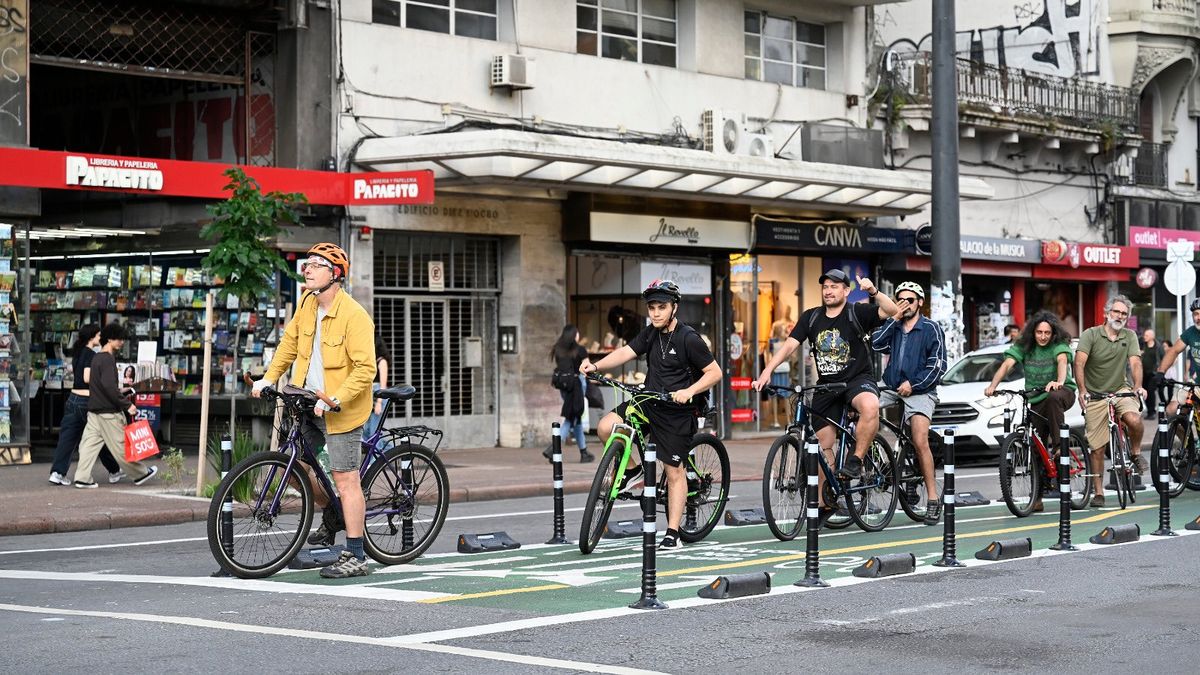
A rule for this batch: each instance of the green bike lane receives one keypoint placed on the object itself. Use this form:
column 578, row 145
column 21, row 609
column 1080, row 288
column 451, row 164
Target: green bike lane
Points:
column 551, row 580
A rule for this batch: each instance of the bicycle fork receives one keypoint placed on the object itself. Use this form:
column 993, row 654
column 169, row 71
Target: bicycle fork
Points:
column 622, row 432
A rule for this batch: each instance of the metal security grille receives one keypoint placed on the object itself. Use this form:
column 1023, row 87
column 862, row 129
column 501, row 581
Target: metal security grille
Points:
column 471, row 391
column 402, row 262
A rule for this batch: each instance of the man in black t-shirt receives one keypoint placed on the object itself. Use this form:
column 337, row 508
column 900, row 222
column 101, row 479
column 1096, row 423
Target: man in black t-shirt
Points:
column 836, row 332
column 679, row 363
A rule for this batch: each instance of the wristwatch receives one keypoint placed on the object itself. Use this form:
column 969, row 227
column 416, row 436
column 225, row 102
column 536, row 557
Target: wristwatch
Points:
column 336, row 403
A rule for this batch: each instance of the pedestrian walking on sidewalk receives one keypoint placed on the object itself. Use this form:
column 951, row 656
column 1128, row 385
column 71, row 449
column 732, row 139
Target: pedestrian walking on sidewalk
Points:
column 107, row 408
column 568, row 355
column 70, row 429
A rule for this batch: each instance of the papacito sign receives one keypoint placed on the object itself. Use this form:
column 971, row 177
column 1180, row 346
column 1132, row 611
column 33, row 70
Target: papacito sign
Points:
column 119, row 174
column 373, row 189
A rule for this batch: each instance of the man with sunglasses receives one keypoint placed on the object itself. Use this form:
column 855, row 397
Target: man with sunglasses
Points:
column 331, row 341
column 1104, row 354
column 917, row 349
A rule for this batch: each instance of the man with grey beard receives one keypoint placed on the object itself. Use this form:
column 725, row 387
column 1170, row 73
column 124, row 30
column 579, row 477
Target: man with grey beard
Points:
column 1101, row 359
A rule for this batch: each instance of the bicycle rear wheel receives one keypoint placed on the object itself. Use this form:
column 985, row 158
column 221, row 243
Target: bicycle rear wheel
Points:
column 1020, row 480
column 1180, row 459
column 783, row 487
column 599, row 500
column 872, row 498
column 407, row 496
column 1080, row 471
column 265, row 535
column 913, row 496
column 707, row 467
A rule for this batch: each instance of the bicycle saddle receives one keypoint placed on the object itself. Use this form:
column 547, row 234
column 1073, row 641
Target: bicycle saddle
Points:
column 401, row 393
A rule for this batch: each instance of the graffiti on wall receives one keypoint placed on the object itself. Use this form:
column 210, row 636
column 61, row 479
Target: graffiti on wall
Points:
column 1056, row 37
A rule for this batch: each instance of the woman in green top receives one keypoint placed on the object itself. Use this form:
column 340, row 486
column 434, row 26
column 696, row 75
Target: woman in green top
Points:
column 1044, row 347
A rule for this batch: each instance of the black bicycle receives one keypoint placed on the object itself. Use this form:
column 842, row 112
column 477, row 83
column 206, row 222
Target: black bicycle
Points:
column 1184, row 453
column 870, row 500
column 913, row 496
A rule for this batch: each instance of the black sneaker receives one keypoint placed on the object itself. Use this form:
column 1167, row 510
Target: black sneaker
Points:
column 632, row 473
column 148, row 475
column 824, row 513
column 331, row 524
column 933, row 512
column 586, row 457
column 670, row 542
column 85, row 485
column 852, row 469
column 1140, row 464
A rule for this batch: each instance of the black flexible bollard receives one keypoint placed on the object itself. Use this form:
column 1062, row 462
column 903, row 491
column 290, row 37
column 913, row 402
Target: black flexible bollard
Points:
column 812, row 551
column 1064, row 492
column 560, row 521
column 949, row 558
column 407, row 535
column 649, row 599
column 227, row 506
column 1162, row 480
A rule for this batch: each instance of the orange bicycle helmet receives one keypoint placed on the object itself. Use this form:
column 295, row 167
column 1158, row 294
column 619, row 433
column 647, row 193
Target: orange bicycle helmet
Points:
column 335, row 255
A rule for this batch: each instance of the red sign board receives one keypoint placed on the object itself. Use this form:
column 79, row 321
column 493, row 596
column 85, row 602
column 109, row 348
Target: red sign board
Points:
column 739, row 383
column 22, row 167
column 741, row 415
column 1076, row 255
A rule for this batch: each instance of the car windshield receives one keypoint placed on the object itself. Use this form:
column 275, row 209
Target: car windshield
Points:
column 980, row 368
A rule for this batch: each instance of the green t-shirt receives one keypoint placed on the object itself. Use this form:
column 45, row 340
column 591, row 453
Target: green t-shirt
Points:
column 1191, row 339
column 1041, row 366
column 1107, row 359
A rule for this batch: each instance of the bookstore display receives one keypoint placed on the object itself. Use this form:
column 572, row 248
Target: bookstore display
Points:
column 14, row 433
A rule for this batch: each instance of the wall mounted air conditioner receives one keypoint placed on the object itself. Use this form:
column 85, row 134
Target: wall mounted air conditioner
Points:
column 512, row 71
column 725, row 133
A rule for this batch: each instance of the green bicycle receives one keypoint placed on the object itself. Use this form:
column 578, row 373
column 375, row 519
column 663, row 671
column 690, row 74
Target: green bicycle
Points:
column 707, row 467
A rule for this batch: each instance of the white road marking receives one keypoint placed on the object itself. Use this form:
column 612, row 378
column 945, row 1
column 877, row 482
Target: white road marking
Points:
column 333, row 637
column 910, row 610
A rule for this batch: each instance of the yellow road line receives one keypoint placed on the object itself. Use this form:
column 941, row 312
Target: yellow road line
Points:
column 491, row 594
column 893, row 544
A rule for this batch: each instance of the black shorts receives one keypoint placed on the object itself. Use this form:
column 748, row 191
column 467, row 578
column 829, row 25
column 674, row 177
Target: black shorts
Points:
column 671, row 430
column 832, row 403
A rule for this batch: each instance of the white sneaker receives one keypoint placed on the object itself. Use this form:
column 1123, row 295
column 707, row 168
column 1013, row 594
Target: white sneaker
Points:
column 58, row 479
column 116, row 477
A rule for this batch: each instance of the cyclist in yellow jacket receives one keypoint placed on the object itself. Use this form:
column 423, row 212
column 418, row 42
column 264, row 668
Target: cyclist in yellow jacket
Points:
column 331, row 343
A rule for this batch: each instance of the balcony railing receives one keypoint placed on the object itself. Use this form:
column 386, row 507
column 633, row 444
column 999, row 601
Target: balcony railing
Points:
column 1182, row 7
column 1019, row 93
column 1150, row 167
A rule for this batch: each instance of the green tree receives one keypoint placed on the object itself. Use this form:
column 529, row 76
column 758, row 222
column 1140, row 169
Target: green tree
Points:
column 243, row 229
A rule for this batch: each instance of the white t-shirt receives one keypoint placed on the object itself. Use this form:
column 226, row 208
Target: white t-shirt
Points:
column 314, row 380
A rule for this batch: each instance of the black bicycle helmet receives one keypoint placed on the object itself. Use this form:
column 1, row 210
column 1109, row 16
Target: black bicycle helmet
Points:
column 662, row 290
column 1195, row 305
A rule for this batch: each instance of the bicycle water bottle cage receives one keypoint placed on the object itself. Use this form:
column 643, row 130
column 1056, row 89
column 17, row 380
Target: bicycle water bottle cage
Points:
column 624, row 432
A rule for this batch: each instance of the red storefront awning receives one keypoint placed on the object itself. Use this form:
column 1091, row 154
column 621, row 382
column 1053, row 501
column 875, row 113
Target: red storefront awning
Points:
column 23, row 167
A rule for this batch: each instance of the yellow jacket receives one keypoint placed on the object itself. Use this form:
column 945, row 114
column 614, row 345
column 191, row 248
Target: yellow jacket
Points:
column 347, row 350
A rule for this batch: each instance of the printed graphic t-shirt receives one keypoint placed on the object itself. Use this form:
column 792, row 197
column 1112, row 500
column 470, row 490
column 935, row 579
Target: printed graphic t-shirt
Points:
column 837, row 345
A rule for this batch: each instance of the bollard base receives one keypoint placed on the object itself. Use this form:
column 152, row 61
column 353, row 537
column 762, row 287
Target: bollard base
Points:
column 1165, row 532
column 1064, row 546
column 648, row 602
column 949, row 561
column 559, row 539
column 811, row 582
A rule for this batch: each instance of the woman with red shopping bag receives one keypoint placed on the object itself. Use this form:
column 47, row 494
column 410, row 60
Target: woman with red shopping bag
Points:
column 107, row 408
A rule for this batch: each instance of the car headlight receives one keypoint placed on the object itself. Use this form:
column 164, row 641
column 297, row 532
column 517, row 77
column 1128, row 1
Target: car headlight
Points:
column 996, row 422
column 989, row 402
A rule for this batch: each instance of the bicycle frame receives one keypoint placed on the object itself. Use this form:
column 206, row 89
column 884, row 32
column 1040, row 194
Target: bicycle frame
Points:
column 803, row 421
column 634, row 423
column 1035, row 440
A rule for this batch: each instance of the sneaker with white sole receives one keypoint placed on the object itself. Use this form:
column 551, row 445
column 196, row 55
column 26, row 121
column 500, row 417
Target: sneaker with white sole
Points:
column 84, row 485
column 117, row 477
column 149, row 474
column 346, row 566
column 58, row 479
column 670, row 542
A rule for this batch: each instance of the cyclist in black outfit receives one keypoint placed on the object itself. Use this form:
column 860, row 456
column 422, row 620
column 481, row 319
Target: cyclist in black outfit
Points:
column 679, row 363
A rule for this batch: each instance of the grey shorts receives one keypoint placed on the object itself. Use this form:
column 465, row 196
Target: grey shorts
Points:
column 916, row 404
column 345, row 450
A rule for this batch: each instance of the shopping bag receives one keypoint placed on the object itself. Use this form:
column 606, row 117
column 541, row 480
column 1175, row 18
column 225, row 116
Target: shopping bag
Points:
column 139, row 441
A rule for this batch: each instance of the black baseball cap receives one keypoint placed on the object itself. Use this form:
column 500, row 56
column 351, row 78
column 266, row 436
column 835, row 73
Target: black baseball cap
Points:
column 835, row 275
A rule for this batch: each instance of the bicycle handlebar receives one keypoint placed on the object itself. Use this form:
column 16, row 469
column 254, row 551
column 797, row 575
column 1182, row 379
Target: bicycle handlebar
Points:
column 1023, row 393
column 782, row 390
column 294, row 394
column 639, row 390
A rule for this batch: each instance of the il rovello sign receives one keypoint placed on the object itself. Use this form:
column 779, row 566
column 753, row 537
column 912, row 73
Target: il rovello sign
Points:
column 669, row 231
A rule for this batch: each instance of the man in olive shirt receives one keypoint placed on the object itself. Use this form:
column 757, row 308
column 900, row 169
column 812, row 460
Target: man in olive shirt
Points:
column 1103, row 354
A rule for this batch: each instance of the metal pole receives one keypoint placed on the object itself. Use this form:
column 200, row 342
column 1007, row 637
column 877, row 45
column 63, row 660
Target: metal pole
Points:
column 1163, row 482
column 812, row 551
column 948, row 543
column 1064, row 492
column 560, row 524
column 946, row 271
column 649, row 599
column 227, row 505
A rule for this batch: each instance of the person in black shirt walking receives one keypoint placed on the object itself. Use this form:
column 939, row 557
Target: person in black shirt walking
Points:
column 838, row 332
column 679, row 363
column 568, row 355
column 75, row 411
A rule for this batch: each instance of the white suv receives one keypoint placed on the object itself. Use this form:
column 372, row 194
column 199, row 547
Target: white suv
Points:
column 978, row 421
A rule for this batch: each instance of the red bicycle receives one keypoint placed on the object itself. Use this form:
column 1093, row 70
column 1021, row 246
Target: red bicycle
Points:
column 1025, row 461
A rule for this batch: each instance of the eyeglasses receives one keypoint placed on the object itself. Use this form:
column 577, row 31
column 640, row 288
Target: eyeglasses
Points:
column 1117, row 312
column 911, row 298
column 315, row 262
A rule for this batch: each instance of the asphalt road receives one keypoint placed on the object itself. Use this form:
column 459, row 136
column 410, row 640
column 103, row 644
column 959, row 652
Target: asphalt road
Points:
column 141, row 600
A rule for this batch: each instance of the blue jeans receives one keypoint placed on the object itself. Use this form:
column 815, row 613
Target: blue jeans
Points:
column 576, row 424
column 375, row 419
column 70, row 431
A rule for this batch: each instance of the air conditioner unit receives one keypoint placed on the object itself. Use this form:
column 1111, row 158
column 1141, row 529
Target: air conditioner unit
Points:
column 725, row 133
column 513, row 71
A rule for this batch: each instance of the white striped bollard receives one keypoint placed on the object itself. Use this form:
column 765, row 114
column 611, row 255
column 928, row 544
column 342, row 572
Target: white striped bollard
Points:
column 560, row 521
column 1162, row 478
column 1064, row 492
column 649, row 599
column 949, row 554
column 812, row 551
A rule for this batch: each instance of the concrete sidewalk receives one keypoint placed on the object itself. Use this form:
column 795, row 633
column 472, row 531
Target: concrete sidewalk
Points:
column 477, row 474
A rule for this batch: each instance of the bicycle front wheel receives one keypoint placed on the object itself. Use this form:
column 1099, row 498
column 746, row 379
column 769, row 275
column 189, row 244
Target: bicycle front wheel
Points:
column 707, row 467
column 1116, row 446
column 599, row 500
column 872, row 499
column 783, row 487
column 1080, row 471
column 269, row 512
column 1020, row 480
column 1180, row 459
column 407, row 496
